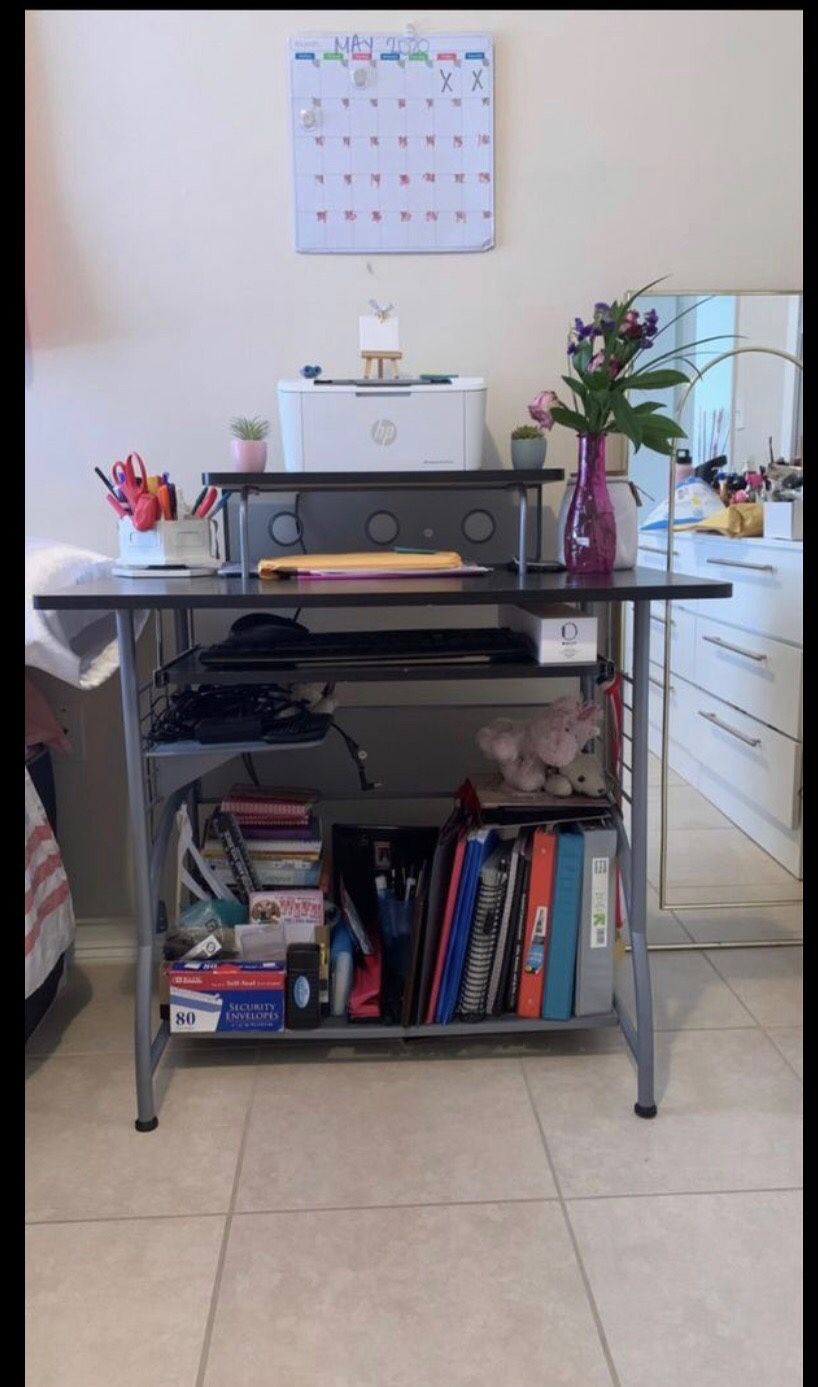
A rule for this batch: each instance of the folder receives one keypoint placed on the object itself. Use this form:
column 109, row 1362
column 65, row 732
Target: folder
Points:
column 558, row 995
column 446, row 926
column 511, row 982
column 481, row 842
column 535, row 941
column 471, row 1005
column 594, row 977
column 499, row 963
column 440, row 878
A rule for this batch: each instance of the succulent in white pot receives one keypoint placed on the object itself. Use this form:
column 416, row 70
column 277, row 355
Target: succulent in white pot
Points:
column 248, row 446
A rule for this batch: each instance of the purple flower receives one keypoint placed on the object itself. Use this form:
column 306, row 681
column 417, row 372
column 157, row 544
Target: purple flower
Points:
column 583, row 330
column 602, row 308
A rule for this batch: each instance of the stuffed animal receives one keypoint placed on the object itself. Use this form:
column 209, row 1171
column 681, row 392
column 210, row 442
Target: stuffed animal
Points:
column 582, row 776
column 528, row 753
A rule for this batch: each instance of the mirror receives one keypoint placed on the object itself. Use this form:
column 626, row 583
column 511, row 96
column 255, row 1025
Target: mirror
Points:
column 732, row 824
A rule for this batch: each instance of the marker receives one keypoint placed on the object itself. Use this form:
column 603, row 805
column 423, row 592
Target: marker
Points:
column 105, row 481
column 198, row 501
column 221, row 504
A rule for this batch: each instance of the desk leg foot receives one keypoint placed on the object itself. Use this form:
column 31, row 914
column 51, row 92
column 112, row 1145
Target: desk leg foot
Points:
column 149, row 1126
column 641, row 1111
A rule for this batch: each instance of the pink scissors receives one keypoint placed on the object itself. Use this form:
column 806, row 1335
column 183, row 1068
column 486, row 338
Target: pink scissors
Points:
column 144, row 507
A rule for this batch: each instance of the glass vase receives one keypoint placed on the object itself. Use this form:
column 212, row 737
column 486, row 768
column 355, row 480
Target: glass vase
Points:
column 590, row 529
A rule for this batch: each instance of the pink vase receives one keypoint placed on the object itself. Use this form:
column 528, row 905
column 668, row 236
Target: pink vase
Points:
column 248, row 454
column 590, row 527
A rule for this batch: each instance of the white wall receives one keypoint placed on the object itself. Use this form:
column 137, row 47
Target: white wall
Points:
column 163, row 293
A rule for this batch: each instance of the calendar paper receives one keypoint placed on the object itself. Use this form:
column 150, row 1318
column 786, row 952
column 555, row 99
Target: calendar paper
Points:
column 393, row 143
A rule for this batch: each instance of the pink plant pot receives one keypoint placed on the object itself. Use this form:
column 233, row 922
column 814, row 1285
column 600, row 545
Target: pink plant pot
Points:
column 248, row 454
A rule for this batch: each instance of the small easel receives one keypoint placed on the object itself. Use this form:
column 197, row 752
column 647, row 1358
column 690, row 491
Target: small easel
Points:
column 392, row 357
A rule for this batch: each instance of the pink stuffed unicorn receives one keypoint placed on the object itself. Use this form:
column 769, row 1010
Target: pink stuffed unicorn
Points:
column 531, row 755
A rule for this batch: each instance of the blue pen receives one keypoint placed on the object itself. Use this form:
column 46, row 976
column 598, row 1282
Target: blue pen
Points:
column 222, row 502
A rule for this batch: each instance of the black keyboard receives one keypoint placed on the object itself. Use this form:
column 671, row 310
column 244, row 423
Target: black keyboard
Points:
column 482, row 645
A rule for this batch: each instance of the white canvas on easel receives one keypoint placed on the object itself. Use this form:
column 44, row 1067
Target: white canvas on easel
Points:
column 393, row 143
column 378, row 334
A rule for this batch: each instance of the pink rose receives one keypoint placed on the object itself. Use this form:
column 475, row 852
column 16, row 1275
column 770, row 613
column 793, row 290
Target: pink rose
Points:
column 597, row 360
column 540, row 408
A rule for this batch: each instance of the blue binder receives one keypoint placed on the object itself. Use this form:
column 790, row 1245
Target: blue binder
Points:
column 558, row 995
column 480, row 844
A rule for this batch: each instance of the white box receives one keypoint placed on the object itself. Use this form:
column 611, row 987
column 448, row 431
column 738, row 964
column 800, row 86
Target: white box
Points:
column 784, row 519
column 559, row 635
column 168, row 542
column 385, row 427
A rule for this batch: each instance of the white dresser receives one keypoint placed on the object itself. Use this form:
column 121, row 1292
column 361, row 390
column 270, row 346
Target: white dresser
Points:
column 736, row 685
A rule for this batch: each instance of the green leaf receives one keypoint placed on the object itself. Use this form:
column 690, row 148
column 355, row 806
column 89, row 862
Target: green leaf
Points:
column 627, row 420
column 576, row 386
column 652, row 380
column 655, row 425
column 649, row 407
column 659, row 445
column 569, row 418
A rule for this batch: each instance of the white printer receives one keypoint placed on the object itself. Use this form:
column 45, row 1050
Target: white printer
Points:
column 349, row 426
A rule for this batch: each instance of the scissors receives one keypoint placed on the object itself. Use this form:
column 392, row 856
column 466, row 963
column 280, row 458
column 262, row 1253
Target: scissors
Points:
column 144, row 507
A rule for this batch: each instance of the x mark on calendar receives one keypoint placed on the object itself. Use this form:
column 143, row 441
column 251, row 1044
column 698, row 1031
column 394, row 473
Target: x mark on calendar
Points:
column 393, row 142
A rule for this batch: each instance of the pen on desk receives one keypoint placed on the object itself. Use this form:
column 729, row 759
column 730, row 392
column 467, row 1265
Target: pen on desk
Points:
column 105, row 481
column 121, row 510
column 198, row 501
column 225, row 497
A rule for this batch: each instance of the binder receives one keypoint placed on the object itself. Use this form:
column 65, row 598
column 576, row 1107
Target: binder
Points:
column 535, row 942
column 471, row 1004
column 446, row 925
column 594, row 976
column 481, row 843
column 419, row 922
column 558, row 994
column 516, row 934
column 439, row 878
column 506, row 919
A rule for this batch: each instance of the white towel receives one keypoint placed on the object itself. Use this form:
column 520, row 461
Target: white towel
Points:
column 79, row 647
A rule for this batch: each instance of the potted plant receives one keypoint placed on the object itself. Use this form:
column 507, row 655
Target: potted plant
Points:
column 528, row 445
column 605, row 364
column 248, row 446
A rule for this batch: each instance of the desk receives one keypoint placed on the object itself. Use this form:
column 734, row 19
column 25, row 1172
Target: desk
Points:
column 183, row 596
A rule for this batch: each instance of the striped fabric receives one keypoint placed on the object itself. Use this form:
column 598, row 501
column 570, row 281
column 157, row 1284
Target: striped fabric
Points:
column 49, row 912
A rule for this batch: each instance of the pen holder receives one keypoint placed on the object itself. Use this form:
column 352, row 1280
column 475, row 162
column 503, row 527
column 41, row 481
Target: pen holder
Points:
column 171, row 542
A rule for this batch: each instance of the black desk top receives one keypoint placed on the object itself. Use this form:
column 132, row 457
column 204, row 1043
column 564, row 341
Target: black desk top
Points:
column 173, row 594
column 480, row 479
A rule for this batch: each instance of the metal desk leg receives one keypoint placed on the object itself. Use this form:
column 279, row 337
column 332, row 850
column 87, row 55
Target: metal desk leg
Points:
column 522, row 543
column 146, row 1119
column 646, row 1102
column 244, row 539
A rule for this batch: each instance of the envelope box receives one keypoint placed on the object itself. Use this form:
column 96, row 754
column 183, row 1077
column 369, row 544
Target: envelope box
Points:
column 558, row 634
column 232, row 996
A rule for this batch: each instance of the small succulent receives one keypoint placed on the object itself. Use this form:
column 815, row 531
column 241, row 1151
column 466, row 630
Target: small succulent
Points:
column 526, row 431
column 255, row 429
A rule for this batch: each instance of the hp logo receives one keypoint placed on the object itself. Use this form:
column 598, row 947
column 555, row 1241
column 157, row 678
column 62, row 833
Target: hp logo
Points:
column 384, row 432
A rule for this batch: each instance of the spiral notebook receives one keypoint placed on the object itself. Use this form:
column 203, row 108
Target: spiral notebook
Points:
column 485, row 928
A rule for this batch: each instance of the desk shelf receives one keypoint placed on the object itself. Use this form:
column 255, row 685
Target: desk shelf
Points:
column 334, row 1028
column 481, row 479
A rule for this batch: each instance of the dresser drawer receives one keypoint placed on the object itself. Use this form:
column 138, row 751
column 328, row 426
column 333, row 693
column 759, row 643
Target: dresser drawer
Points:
column 755, row 763
column 761, row 676
column 767, row 596
column 682, row 638
column 651, row 554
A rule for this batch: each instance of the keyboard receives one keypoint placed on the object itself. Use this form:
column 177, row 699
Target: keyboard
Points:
column 482, row 645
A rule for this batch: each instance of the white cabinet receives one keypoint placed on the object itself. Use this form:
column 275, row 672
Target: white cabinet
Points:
column 736, row 669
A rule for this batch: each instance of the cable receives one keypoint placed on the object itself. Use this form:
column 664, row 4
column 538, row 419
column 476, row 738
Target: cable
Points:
column 250, row 768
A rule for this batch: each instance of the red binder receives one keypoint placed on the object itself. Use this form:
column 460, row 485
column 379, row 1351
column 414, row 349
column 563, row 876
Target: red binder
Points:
column 446, row 929
column 537, row 925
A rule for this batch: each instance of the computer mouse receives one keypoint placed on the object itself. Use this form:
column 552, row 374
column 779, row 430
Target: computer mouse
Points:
column 265, row 626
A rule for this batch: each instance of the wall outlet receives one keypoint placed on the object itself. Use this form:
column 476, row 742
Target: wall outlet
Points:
column 70, row 716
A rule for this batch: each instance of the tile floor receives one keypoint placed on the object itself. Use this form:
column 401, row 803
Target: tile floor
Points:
column 429, row 1215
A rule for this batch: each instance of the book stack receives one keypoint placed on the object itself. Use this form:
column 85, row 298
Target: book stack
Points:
column 519, row 920
column 281, row 833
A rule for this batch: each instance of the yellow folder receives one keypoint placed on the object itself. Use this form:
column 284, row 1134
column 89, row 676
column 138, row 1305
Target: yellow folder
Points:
column 368, row 562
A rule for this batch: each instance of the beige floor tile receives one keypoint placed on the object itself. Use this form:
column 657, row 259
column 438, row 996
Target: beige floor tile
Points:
column 663, row 927
column 748, row 922
column 85, row 1159
column 405, row 1133
column 687, row 993
column 729, row 1117
column 718, row 857
column 770, row 982
column 446, row 1297
column 655, row 773
column 118, row 1302
column 93, row 1014
column 790, row 1041
column 687, row 808
column 702, row 1289
column 783, row 890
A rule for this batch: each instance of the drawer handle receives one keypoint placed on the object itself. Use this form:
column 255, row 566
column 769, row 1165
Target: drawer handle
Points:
column 736, row 649
column 659, row 683
column 661, row 620
column 725, row 727
column 737, row 563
